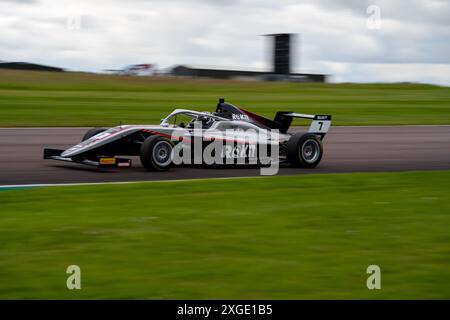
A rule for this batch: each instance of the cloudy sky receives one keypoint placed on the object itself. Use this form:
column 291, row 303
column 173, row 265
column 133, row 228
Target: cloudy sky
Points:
column 353, row 40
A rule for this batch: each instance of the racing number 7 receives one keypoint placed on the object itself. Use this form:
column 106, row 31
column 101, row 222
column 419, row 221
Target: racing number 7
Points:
column 320, row 125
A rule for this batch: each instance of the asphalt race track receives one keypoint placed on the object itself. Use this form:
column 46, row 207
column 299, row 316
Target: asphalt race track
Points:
column 347, row 149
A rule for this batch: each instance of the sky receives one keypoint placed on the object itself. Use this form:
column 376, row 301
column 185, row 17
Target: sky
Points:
column 352, row 41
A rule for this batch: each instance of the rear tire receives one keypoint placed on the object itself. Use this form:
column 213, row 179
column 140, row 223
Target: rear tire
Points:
column 304, row 150
column 92, row 132
column 156, row 153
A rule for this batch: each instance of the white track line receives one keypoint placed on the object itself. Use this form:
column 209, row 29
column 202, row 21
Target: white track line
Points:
column 118, row 182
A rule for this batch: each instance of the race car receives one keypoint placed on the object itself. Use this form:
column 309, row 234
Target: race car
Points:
column 237, row 135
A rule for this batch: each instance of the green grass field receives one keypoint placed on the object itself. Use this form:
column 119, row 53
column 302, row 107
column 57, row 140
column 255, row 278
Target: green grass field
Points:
column 29, row 98
column 306, row 237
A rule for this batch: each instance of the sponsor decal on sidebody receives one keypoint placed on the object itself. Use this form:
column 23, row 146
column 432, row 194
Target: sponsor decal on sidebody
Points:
column 240, row 117
column 239, row 151
column 229, row 147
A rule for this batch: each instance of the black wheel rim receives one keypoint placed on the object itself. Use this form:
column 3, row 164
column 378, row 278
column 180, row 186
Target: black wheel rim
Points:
column 310, row 151
column 161, row 153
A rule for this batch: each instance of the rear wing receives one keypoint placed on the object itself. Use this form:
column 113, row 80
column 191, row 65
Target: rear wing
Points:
column 319, row 125
column 283, row 119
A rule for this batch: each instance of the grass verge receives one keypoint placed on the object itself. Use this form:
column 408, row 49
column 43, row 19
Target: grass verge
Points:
column 30, row 98
column 300, row 237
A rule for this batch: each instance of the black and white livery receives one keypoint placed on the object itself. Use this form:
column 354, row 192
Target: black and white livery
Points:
column 238, row 130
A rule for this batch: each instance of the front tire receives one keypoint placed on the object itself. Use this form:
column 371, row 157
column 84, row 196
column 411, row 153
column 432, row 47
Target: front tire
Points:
column 304, row 150
column 156, row 153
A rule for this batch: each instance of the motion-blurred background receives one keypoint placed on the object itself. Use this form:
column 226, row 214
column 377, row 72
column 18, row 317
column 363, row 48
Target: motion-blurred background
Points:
column 353, row 41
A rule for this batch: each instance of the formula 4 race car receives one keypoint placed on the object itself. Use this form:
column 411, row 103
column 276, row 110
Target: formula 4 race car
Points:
column 237, row 135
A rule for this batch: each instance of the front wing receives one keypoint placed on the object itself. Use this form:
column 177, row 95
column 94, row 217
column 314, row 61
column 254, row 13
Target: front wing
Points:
column 102, row 162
